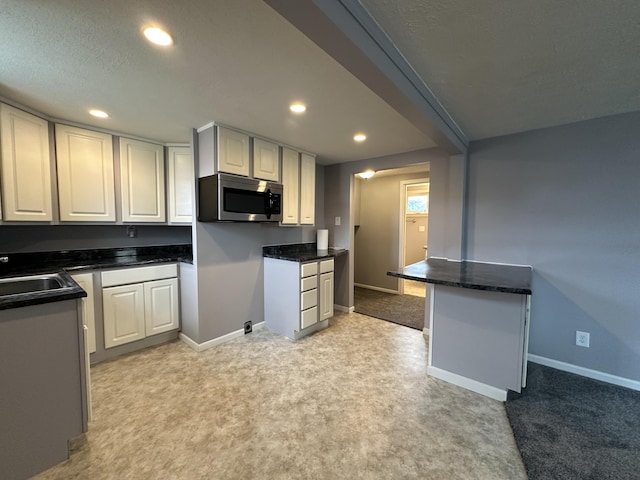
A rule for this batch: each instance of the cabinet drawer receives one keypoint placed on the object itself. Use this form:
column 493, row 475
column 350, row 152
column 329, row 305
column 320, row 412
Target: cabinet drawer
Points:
column 308, row 299
column 138, row 274
column 308, row 283
column 308, row 269
column 326, row 266
column 308, row 317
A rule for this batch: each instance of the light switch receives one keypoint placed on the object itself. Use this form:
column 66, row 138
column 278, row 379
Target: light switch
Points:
column 421, row 228
column 337, row 221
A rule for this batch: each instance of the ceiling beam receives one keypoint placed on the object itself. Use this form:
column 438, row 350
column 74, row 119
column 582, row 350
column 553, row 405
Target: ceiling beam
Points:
column 346, row 31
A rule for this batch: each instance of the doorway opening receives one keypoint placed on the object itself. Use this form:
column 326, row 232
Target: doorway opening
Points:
column 413, row 230
column 383, row 242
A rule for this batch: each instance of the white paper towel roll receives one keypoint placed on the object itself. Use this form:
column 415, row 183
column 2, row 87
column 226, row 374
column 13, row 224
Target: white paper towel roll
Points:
column 323, row 239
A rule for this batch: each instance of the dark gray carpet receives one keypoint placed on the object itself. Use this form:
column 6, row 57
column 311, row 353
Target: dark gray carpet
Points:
column 405, row 310
column 571, row 427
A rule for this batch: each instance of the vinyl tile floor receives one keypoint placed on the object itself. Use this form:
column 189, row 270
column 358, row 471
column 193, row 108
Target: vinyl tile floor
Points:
column 352, row 401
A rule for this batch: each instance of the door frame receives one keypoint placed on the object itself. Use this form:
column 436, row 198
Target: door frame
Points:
column 402, row 224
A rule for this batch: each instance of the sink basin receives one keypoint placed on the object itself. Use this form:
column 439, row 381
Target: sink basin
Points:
column 30, row 284
column 27, row 290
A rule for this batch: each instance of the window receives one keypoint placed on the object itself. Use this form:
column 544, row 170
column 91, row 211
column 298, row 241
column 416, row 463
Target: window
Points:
column 417, row 204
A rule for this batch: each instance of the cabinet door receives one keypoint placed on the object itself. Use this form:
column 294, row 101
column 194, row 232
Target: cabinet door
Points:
column 161, row 306
column 233, row 152
column 26, row 166
column 86, row 187
column 85, row 280
column 291, row 184
column 266, row 161
column 123, row 314
column 307, row 189
column 181, row 183
column 308, row 317
column 326, row 296
column 142, row 180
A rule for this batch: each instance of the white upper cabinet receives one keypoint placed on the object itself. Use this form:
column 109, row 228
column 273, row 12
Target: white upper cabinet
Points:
column 26, row 166
column 142, row 181
column 266, row 161
column 233, row 152
column 181, row 183
column 291, row 185
column 86, row 187
column 307, row 189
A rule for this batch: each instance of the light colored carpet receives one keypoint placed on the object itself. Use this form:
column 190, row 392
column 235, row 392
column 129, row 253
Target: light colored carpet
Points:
column 352, row 401
column 407, row 310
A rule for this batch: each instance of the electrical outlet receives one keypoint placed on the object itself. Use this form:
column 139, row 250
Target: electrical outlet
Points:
column 337, row 221
column 131, row 231
column 582, row 339
column 248, row 327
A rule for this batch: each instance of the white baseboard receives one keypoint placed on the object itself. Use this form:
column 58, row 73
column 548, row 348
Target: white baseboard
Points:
column 201, row 347
column 342, row 308
column 464, row 382
column 377, row 289
column 426, row 332
column 585, row 372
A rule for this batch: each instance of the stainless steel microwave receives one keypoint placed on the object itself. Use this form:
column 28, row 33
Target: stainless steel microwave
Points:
column 228, row 198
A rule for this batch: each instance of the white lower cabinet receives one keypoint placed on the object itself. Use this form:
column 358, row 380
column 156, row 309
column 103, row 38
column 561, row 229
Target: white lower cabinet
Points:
column 139, row 302
column 161, row 306
column 326, row 296
column 124, row 319
column 298, row 297
column 85, row 280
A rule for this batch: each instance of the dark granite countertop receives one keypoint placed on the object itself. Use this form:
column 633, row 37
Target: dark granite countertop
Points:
column 475, row 275
column 61, row 262
column 300, row 252
column 69, row 290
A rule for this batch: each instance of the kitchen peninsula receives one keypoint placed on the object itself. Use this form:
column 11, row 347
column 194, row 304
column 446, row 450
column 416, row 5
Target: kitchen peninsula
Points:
column 479, row 325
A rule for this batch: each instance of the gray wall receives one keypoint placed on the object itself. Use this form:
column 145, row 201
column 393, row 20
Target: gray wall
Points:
column 228, row 271
column 41, row 238
column 338, row 202
column 566, row 200
column 230, row 274
column 377, row 239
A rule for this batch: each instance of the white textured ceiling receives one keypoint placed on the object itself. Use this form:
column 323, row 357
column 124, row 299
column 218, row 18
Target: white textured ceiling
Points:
column 497, row 67
column 236, row 62
column 500, row 67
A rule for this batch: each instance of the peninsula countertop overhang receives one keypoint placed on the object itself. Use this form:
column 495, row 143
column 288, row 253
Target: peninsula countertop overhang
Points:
column 467, row 274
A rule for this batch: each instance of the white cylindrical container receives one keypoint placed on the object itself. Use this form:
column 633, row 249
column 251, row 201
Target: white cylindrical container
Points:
column 323, row 239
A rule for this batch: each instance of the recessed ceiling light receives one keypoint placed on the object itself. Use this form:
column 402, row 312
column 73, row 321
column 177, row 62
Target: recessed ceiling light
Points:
column 360, row 137
column 158, row 36
column 367, row 174
column 98, row 113
column 297, row 107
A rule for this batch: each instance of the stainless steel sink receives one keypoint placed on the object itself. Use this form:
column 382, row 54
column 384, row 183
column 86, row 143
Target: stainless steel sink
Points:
column 31, row 284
